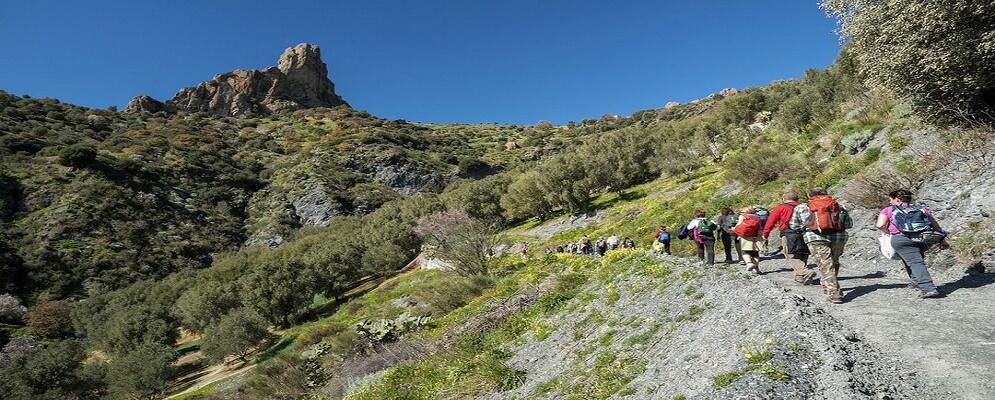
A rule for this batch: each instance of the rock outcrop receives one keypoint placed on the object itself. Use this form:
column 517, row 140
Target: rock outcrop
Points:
column 299, row 81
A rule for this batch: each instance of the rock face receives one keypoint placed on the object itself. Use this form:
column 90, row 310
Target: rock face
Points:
column 147, row 104
column 299, row 81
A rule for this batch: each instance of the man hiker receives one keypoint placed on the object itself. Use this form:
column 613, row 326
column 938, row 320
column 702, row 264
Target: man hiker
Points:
column 792, row 242
column 613, row 242
column 661, row 240
column 703, row 232
column 628, row 243
column 726, row 220
column 824, row 222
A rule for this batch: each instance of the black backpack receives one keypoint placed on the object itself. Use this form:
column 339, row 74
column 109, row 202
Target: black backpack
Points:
column 911, row 220
column 682, row 232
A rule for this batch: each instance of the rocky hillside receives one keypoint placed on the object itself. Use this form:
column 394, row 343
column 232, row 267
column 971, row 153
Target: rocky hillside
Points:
column 299, row 81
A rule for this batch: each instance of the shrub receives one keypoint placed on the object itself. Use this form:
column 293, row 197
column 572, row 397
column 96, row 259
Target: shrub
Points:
column 50, row 319
column 11, row 309
column 78, row 155
column 758, row 164
column 940, row 54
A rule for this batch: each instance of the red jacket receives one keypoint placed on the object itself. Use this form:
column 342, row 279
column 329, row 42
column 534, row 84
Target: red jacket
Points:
column 779, row 217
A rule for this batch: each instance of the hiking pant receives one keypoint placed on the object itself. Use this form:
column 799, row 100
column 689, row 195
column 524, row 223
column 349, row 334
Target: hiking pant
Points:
column 912, row 255
column 798, row 264
column 827, row 256
column 706, row 251
column 727, row 242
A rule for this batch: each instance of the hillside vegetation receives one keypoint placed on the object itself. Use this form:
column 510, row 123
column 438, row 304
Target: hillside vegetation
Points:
column 140, row 248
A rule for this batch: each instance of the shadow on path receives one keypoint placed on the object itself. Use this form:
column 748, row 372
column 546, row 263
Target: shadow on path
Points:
column 872, row 275
column 862, row 290
column 968, row 281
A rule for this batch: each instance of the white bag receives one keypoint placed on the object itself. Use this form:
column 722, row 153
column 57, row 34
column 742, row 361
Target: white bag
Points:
column 886, row 250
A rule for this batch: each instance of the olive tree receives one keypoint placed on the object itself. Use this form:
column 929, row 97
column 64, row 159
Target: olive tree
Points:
column 938, row 53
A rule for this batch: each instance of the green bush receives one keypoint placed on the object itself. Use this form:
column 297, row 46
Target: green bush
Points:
column 937, row 53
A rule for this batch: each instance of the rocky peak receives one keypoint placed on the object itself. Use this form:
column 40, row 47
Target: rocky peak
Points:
column 300, row 80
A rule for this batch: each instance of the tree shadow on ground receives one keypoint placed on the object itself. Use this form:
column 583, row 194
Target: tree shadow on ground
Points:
column 971, row 280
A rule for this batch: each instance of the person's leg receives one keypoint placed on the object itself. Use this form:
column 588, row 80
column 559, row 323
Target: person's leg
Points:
column 727, row 245
column 822, row 252
column 912, row 255
column 739, row 246
column 710, row 251
column 666, row 247
column 701, row 251
column 800, row 271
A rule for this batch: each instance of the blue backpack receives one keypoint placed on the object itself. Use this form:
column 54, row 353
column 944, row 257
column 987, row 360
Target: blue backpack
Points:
column 911, row 220
column 663, row 237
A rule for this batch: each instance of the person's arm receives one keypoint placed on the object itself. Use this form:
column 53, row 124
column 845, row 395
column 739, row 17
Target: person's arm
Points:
column 883, row 223
column 773, row 219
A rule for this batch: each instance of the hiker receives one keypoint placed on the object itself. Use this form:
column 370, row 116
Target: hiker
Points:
column 824, row 222
column 749, row 230
column 559, row 248
column 913, row 230
column 548, row 251
column 525, row 250
column 726, row 220
column 661, row 241
column 628, row 243
column 585, row 246
column 601, row 246
column 571, row 247
column 702, row 230
column 792, row 243
column 613, row 242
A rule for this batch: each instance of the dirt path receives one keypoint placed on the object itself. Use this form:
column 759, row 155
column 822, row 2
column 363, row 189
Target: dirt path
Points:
column 951, row 339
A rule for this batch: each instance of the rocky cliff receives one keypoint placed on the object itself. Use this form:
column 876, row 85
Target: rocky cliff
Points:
column 299, row 81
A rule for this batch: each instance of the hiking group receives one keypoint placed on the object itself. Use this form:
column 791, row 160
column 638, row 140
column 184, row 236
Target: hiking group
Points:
column 815, row 230
column 587, row 247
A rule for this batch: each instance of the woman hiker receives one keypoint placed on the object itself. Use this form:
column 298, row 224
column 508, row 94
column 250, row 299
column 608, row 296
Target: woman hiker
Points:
column 913, row 229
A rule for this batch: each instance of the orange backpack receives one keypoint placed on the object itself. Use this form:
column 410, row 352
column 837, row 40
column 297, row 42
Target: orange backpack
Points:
column 824, row 214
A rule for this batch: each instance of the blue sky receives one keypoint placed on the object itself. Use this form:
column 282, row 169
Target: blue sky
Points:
column 435, row 61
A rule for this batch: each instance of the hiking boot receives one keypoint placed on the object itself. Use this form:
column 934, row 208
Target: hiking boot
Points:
column 935, row 294
column 836, row 298
column 741, row 262
column 755, row 270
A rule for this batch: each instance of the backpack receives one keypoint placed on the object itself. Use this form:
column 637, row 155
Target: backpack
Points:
column 749, row 228
column 682, row 232
column 911, row 220
column 706, row 227
column 664, row 237
column 761, row 213
column 825, row 215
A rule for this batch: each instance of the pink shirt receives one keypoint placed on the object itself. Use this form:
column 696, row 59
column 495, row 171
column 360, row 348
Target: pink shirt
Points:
column 889, row 212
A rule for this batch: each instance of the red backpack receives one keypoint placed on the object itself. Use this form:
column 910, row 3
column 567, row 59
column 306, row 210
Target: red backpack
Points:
column 750, row 227
column 824, row 214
